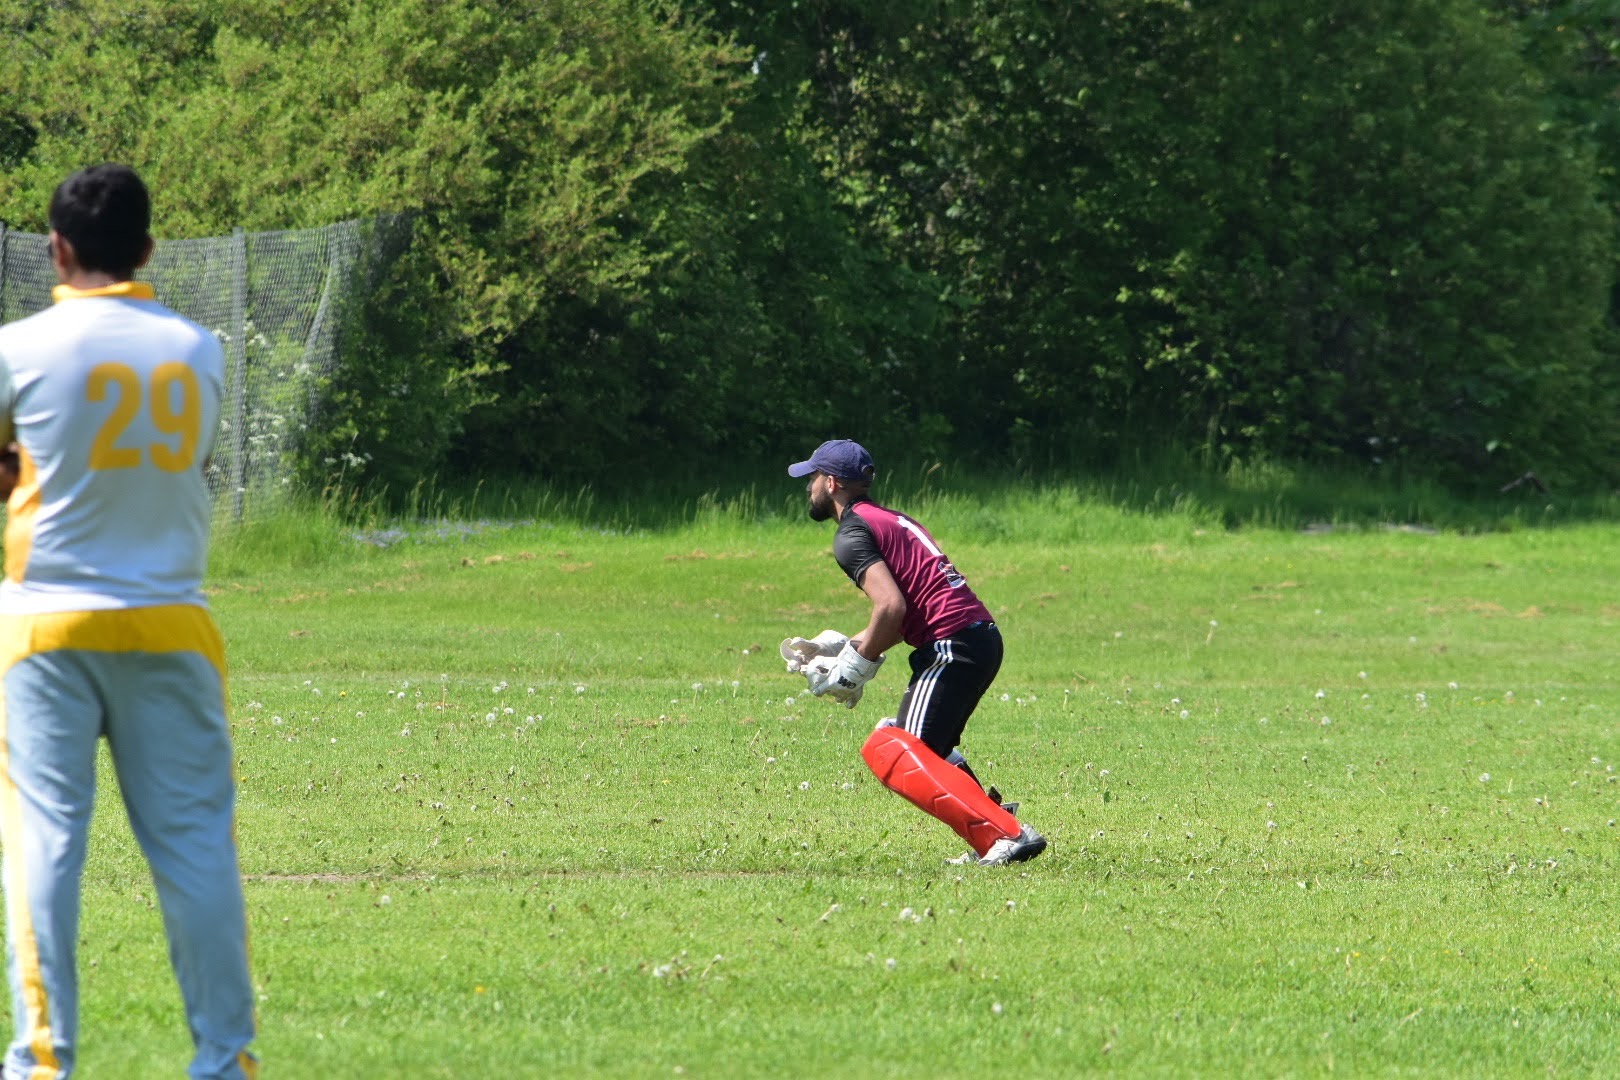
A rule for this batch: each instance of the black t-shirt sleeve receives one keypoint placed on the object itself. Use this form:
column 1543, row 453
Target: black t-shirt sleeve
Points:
column 854, row 546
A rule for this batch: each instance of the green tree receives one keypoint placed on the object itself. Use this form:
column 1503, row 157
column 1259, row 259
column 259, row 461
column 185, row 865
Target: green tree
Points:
column 1264, row 227
column 1373, row 233
column 1410, row 258
column 523, row 140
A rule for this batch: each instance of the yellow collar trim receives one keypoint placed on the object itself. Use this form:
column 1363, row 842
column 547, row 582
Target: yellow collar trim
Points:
column 132, row 290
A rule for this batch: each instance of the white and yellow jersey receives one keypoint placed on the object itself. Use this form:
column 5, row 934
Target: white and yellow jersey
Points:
column 114, row 400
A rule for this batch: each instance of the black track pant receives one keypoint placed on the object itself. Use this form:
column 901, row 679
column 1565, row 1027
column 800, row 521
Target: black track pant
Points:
column 948, row 677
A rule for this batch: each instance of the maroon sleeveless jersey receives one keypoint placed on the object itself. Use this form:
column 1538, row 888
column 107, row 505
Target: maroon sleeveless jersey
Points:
column 938, row 600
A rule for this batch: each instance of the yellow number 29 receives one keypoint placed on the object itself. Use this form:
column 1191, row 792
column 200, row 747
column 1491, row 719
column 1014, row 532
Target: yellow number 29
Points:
column 182, row 419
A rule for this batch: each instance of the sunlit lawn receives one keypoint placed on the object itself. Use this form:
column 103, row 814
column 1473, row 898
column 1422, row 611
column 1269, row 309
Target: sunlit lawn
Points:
column 525, row 798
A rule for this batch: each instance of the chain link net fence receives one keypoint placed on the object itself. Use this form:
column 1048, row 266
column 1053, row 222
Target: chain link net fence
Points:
column 277, row 301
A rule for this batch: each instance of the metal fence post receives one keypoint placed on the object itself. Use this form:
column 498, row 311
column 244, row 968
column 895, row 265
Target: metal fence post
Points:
column 239, row 443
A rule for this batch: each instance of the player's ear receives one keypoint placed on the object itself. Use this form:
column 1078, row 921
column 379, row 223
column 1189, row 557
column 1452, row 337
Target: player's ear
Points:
column 63, row 257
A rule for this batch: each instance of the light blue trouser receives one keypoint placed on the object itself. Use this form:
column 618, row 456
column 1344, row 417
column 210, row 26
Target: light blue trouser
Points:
column 151, row 681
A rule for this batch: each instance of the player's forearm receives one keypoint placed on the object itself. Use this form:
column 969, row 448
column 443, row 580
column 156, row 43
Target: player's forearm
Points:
column 882, row 633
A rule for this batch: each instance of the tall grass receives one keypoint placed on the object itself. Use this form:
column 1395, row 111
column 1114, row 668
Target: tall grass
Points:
column 1141, row 499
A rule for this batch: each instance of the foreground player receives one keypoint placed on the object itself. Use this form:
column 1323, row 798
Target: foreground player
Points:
column 917, row 596
column 113, row 401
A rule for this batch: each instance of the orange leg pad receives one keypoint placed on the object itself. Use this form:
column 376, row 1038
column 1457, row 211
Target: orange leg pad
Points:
column 908, row 768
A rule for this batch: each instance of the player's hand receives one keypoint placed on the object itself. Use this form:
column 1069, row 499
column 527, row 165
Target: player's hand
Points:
column 818, row 673
column 801, row 652
column 846, row 678
column 821, row 675
column 847, row 698
column 10, row 466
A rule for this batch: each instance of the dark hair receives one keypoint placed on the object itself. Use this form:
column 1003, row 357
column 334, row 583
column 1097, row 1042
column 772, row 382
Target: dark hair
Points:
column 858, row 487
column 106, row 214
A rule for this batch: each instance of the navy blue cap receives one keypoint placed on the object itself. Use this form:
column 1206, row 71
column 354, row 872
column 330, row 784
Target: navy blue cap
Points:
column 842, row 458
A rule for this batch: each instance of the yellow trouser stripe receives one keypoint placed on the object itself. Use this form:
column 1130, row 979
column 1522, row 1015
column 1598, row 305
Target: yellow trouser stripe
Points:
column 16, row 877
column 163, row 629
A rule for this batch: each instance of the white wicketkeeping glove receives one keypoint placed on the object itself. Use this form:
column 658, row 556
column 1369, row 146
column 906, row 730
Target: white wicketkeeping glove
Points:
column 845, row 678
column 799, row 652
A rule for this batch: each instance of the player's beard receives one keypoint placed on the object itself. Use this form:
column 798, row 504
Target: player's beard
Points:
column 820, row 505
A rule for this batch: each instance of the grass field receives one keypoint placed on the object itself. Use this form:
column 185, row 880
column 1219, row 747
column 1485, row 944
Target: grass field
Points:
column 533, row 797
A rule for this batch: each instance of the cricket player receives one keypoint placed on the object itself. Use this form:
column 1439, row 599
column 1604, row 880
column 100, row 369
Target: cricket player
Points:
column 919, row 597
column 113, row 402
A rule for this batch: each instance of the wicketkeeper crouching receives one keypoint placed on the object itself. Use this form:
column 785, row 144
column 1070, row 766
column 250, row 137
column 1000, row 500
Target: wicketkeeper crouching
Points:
column 918, row 597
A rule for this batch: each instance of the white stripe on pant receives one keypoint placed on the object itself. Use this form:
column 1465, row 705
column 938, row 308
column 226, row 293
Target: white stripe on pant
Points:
column 922, row 691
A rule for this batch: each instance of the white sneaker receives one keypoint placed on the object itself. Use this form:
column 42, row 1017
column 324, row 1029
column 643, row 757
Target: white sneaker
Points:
column 967, row 858
column 1010, row 849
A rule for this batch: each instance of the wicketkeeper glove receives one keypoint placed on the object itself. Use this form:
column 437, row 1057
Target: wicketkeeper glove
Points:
column 845, row 678
column 799, row 652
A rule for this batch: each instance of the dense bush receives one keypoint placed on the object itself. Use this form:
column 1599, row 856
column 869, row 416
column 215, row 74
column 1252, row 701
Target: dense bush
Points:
column 1348, row 232
column 1377, row 234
